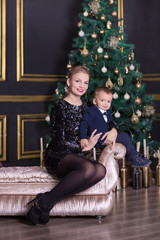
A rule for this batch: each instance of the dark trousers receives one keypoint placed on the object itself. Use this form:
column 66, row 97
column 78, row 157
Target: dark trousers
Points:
column 124, row 138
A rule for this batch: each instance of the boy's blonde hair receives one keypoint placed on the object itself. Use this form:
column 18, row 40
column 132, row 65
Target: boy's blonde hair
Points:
column 103, row 89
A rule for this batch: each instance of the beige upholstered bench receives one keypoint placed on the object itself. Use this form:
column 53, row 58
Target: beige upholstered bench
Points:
column 19, row 185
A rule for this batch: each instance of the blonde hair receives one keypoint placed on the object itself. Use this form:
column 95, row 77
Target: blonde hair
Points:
column 77, row 69
column 104, row 89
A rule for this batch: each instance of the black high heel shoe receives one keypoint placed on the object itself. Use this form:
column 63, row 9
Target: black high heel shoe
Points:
column 36, row 213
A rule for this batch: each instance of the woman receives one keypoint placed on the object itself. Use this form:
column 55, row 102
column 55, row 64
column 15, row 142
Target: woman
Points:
column 64, row 158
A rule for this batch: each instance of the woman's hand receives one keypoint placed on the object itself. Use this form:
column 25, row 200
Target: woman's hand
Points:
column 92, row 141
column 110, row 136
column 84, row 143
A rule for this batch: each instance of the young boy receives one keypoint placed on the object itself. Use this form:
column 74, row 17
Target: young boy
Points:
column 99, row 117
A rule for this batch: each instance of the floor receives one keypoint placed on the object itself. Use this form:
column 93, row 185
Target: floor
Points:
column 135, row 215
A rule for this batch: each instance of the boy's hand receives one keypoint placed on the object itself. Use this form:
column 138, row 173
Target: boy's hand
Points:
column 84, row 143
column 110, row 137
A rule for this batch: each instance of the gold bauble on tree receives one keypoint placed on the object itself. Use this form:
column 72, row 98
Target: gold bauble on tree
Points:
column 138, row 84
column 109, row 25
column 94, row 35
column 102, row 31
column 114, row 14
column 120, row 81
column 80, row 24
column 119, row 38
column 69, row 66
column 134, row 118
column 138, row 100
column 129, row 58
column 84, row 52
column 111, row 1
column 116, row 71
column 103, row 17
column 109, row 83
column 106, row 56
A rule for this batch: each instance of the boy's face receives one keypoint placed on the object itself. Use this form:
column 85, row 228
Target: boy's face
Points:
column 103, row 100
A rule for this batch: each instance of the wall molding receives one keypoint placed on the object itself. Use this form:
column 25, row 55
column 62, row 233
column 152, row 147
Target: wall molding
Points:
column 3, row 137
column 26, row 98
column 21, row 120
column 27, row 77
column 3, row 40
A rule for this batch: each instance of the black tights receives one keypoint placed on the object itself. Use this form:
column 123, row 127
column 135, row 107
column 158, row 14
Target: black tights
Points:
column 77, row 174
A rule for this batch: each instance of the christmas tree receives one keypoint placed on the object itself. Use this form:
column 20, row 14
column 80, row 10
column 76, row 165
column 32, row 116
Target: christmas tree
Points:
column 101, row 45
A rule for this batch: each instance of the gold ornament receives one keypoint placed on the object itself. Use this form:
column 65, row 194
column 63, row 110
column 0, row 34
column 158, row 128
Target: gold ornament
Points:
column 134, row 118
column 114, row 14
column 132, row 55
column 149, row 136
column 138, row 84
column 106, row 56
column 94, row 35
column 69, row 66
column 138, row 100
column 111, row 1
column 103, row 17
column 102, row 31
column 80, row 24
column 57, row 91
column 129, row 58
column 120, row 81
column 119, row 38
column 84, row 52
column 66, row 89
column 116, row 71
column 109, row 25
column 97, row 57
column 126, row 69
column 109, row 83
column 137, row 70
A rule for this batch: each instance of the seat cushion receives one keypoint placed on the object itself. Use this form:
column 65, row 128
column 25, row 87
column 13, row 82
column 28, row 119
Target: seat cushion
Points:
column 33, row 180
column 33, row 174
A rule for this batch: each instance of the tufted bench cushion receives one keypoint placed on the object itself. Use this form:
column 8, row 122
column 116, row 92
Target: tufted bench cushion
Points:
column 19, row 185
column 33, row 180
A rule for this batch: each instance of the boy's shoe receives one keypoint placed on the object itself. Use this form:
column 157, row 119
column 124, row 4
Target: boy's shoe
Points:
column 139, row 161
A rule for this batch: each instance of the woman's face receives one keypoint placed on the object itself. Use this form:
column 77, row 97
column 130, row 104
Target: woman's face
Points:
column 78, row 83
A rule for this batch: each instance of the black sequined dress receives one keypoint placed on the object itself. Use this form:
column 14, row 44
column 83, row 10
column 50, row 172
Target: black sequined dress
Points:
column 64, row 130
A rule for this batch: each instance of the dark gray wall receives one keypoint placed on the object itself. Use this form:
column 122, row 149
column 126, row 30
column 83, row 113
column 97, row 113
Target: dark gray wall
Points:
column 49, row 27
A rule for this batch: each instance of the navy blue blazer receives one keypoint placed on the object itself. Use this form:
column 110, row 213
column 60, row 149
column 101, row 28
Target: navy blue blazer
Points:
column 94, row 119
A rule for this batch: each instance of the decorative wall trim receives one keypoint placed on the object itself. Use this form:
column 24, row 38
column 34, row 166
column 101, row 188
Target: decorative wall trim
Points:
column 3, row 137
column 156, row 97
column 2, row 40
column 120, row 13
column 21, row 120
column 158, row 117
column 151, row 77
column 21, row 76
column 26, row 98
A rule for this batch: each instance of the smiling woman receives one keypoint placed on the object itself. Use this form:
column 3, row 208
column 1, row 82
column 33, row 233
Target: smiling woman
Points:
column 64, row 157
column 77, row 83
